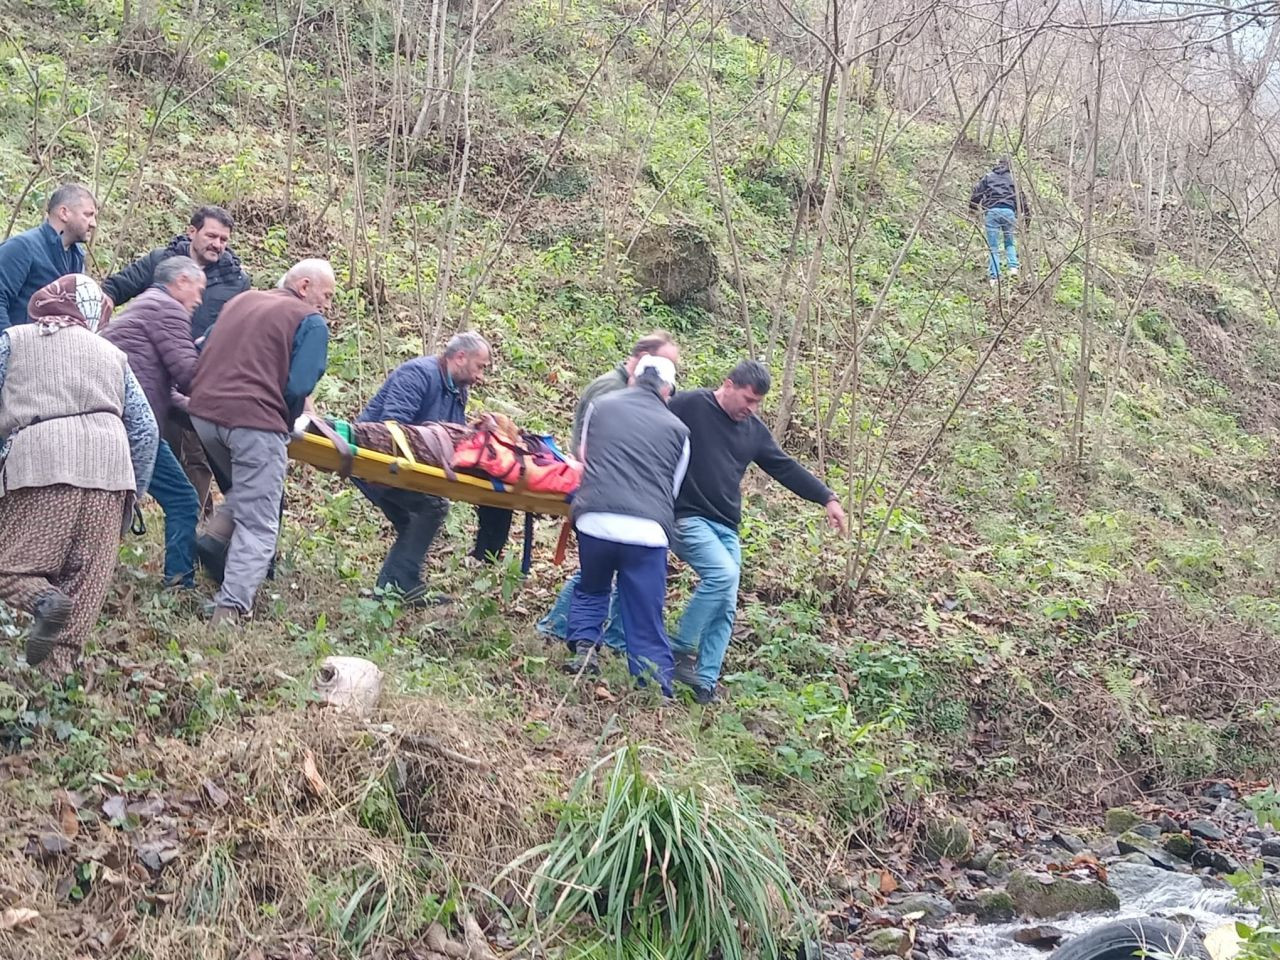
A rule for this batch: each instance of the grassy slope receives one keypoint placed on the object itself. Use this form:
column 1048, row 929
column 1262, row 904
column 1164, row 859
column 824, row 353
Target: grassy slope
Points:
column 1024, row 633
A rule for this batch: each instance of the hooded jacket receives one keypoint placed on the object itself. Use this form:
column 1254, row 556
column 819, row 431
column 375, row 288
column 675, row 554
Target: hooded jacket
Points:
column 996, row 189
column 223, row 280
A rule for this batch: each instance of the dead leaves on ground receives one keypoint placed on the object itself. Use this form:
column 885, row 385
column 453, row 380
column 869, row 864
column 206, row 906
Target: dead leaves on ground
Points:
column 16, row 918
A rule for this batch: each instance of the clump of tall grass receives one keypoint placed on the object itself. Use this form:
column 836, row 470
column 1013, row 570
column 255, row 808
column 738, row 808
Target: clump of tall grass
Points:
column 659, row 870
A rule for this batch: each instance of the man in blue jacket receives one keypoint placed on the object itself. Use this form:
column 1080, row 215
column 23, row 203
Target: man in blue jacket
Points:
column 39, row 256
column 429, row 390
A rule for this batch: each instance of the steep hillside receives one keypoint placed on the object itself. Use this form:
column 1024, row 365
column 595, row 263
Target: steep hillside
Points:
column 1014, row 622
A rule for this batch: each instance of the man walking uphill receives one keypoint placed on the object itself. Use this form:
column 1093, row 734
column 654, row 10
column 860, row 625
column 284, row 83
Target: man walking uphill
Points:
column 42, row 254
column 263, row 359
column 726, row 437
column 1000, row 203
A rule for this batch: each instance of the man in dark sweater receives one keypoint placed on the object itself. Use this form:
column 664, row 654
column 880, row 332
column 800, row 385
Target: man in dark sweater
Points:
column 1000, row 203
column 257, row 369
column 429, row 390
column 726, row 437
column 39, row 256
column 207, row 242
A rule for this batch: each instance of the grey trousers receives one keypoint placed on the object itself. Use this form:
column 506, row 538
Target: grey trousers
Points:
column 256, row 461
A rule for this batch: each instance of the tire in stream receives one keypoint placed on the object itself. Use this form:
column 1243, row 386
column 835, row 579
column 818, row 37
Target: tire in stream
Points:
column 1124, row 939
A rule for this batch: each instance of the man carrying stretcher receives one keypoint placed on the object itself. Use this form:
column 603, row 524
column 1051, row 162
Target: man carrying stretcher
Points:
column 429, row 390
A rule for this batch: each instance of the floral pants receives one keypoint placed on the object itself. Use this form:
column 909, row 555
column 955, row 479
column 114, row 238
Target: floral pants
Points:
column 60, row 538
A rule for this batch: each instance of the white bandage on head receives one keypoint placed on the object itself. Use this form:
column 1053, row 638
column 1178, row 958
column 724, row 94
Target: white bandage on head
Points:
column 665, row 369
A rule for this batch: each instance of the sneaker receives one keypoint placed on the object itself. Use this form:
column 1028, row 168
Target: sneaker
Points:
column 587, row 662
column 995, row 284
column 1013, row 273
column 50, row 616
column 707, row 695
column 687, row 669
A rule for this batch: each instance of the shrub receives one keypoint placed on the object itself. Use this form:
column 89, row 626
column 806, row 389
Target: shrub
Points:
column 670, row 871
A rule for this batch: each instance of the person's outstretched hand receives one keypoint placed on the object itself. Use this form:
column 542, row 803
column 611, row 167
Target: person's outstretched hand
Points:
column 835, row 516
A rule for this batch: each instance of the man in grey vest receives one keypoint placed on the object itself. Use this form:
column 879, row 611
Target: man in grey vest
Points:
column 660, row 344
column 636, row 452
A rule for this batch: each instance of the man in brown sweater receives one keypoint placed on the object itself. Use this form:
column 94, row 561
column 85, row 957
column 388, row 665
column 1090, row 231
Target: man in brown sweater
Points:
column 263, row 358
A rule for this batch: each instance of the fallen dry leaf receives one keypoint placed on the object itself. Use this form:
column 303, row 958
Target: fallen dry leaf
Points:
column 47, row 846
column 887, row 883
column 16, row 917
column 314, row 780
column 116, row 808
column 605, row 694
column 67, row 818
column 217, row 796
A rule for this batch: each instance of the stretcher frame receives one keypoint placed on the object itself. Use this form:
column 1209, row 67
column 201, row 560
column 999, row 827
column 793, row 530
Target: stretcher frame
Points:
column 374, row 467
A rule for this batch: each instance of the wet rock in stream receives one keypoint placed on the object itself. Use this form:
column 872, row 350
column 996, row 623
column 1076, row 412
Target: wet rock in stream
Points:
column 1050, row 897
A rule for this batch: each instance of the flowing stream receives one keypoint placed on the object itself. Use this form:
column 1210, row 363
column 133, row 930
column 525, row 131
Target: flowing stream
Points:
column 1143, row 891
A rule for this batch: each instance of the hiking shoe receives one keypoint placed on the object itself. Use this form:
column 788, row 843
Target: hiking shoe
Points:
column 707, row 695
column 587, row 662
column 224, row 618
column 419, row 598
column 50, row 616
column 686, row 669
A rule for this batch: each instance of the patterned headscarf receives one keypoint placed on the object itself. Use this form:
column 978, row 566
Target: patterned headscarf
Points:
column 70, row 301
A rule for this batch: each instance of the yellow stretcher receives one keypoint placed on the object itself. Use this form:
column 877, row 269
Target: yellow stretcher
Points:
column 405, row 474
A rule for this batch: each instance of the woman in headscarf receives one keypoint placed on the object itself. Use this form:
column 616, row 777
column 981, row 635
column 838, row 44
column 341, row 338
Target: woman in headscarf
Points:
column 77, row 445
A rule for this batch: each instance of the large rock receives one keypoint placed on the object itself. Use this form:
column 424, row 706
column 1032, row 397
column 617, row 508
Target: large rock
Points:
column 1051, row 897
column 1206, row 830
column 678, row 263
column 1180, row 846
column 888, row 942
column 933, row 906
column 1133, row 843
column 947, row 838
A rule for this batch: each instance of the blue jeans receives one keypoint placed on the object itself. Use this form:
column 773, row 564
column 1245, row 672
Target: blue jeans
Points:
column 642, row 589
column 715, row 553
column 1001, row 223
column 177, row 498
column 556, row 622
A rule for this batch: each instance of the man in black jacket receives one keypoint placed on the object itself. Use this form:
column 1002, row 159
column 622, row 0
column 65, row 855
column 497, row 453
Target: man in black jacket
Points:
column 206, row 242
column 1000, row 203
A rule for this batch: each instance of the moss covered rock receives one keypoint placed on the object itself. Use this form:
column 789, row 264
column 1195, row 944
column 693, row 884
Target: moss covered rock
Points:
column 1121, row 820
column 1180, row 846
column 1050, row 897
column 947, row 838
column 990, row 906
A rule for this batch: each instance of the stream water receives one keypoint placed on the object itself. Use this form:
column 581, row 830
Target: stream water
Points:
column 1143, row 891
